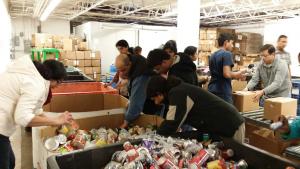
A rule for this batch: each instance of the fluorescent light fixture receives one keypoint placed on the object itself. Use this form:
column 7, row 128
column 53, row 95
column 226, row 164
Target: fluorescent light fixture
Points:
column 51, row 6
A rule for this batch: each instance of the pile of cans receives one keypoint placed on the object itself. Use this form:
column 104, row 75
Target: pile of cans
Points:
column 168, row 153
column 70, row 138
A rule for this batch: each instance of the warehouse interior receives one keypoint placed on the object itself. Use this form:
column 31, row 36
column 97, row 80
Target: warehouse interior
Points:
column 84, row 36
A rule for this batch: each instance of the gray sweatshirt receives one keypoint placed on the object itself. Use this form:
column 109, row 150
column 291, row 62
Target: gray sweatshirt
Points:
column 274, row 77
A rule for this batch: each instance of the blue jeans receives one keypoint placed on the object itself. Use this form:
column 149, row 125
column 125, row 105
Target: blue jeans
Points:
column 7, row 157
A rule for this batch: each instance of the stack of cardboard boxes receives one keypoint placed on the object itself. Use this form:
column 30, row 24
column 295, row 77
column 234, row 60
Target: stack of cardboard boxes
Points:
column 247, row 47
column 73, row 52
column 208, row 42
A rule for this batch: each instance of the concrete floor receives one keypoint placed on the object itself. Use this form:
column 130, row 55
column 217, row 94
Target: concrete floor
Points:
column 21, row 143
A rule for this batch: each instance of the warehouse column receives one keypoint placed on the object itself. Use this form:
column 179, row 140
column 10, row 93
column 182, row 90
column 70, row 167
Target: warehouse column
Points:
column 188, row 21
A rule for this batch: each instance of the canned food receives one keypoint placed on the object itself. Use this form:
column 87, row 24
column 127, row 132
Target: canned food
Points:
column 74, row 125
column 165, row 163
column 89, row 144
column 200, row 158
column 51, row 144
column 100, row 143
column 94, row 134
column 127, row 146
column 113, row 165
column 148, row 144
column 132, row 154
column 242, row 164
column 63, row 130
column 68, row 147
column 119, row 156
column 227, row 154
column 61, row 139
column 71, row 134
column 79, row 141
column 217, row 164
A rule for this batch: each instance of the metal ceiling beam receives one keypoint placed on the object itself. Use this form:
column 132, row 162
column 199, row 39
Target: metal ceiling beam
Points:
column 95, row 4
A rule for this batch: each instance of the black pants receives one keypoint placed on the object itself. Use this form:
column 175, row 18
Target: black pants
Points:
column 7, row 157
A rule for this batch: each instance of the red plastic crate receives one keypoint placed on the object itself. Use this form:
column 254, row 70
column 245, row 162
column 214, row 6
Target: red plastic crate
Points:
column 83, row 88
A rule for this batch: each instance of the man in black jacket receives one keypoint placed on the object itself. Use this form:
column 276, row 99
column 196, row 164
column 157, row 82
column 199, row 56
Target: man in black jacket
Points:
column 196, row 107
column 181, row 65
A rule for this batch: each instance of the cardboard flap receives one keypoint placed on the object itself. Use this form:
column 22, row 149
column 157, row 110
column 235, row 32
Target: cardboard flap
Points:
column 281, row 99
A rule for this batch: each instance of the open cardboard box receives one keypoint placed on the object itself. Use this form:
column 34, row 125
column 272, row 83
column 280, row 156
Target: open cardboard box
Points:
column 85, row 102
column 109, row 121
column 81, row 106
column 266, row 139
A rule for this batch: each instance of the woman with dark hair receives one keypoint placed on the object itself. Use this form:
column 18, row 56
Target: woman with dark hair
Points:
column 196, row 107
column 24, row 89
column 171, row 48
column 192, row 52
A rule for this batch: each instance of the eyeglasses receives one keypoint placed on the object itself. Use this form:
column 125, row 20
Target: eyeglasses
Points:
column 119, row 48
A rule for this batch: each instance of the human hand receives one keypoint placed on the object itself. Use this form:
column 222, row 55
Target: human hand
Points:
column 64, row 118
column 258, row 95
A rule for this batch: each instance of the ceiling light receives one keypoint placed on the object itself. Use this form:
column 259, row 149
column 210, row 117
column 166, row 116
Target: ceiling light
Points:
column 51, row 6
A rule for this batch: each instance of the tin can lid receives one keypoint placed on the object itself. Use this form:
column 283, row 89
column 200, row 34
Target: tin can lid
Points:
column 51, row 144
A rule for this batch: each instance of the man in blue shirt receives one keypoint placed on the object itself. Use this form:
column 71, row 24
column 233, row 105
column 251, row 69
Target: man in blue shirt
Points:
column 220, row 64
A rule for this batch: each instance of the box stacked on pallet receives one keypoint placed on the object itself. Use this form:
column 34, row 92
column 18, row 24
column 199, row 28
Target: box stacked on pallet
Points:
column 73, row 52
column 247, row 46
column 209, row 41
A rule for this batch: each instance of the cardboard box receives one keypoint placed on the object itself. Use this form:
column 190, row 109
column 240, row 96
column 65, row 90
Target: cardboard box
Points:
column 68, row 44
column 275, row 107
column 266, row 140
column 238, row 85
column 96, row 63
column 96, row 69
column 80, row 63
column 95, row 76
column 83, row 46
column 88, row 123
column 88, row 55
column 62, row 55
column 88, row 70
column 80, row 68
column 70, row 55
column 96, row 55
column 85, row 106
column 68, row 62
column 87, row 63
column 49, row 43
column 243, row 101
column 79, row 55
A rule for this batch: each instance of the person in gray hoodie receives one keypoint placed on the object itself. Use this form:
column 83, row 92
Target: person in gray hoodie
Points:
column 274, row 75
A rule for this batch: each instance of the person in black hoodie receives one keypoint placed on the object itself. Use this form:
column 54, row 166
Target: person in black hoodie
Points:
column 180, row 65
column 135, row 67
column 196, row 107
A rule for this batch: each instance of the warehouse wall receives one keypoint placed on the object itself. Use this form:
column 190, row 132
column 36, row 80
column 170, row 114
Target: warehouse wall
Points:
column 24, row 27
column 56, row 26
column 103, row 37
column 289, row 27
